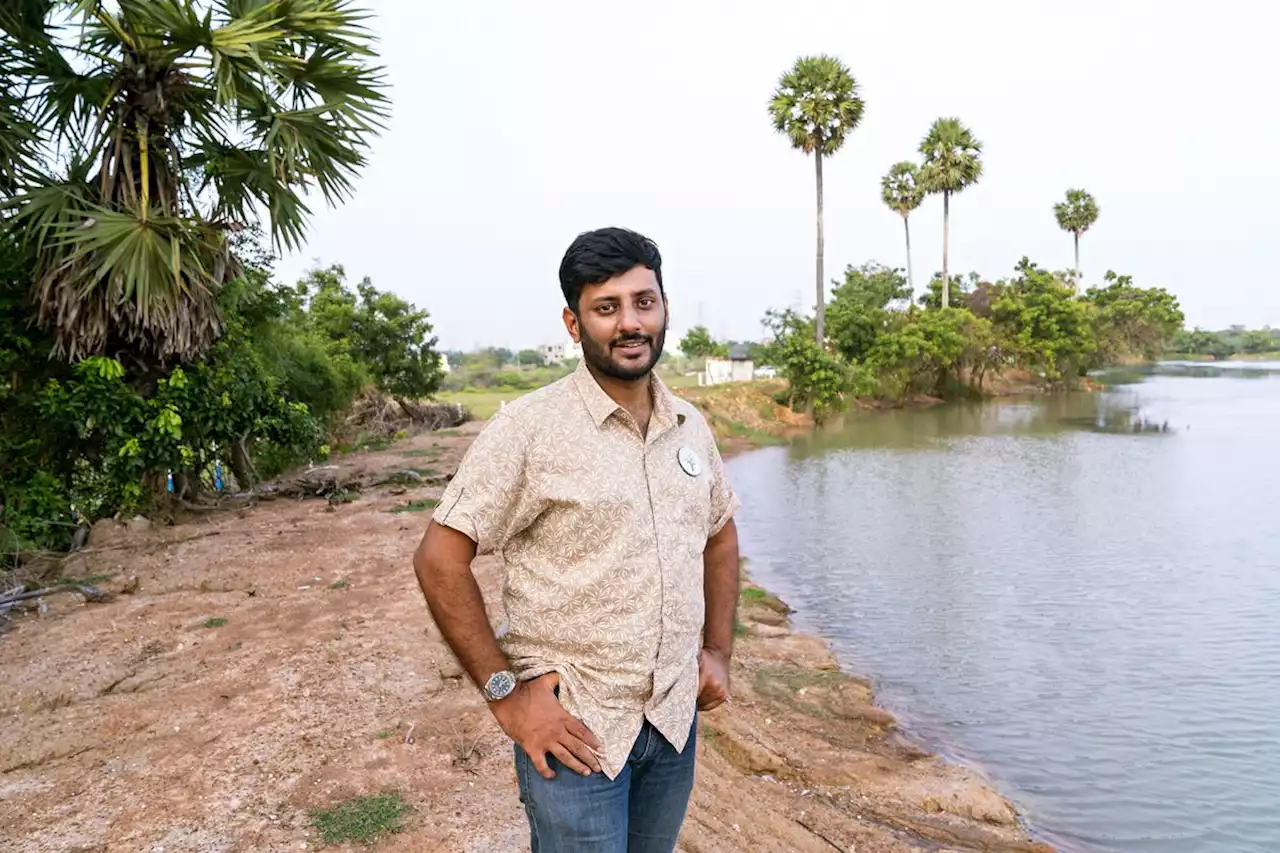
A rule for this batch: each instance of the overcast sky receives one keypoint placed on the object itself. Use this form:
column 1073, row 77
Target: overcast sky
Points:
column 517, row 125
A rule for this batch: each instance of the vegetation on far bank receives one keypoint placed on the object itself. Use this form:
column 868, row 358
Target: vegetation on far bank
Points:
column 1236, row 342
column 881, row 345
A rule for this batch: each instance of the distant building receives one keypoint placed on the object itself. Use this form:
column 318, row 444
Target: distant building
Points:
column 560, row 352
column 444, row 363
column 738, row 367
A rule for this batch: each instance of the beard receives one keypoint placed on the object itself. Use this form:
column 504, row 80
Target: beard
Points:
column 605, row 359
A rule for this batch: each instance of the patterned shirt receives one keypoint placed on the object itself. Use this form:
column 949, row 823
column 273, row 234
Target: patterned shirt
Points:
column 601, row 532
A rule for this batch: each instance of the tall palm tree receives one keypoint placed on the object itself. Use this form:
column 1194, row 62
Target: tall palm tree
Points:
column 1077, row 214
column 816, row 105
column 951, row 163
column 900, row 190
column 166, row 127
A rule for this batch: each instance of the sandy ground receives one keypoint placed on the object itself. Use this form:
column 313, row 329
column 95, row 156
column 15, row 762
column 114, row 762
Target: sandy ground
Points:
column 132, row 726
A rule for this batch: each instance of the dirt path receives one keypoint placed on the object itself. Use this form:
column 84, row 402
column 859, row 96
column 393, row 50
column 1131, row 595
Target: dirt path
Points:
column 146, row 724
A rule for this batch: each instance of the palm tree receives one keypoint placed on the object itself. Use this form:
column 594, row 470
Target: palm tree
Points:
column 166, row 127
column 950, row 164
column 816, row 105
column 1077, row 214
column 900, row 190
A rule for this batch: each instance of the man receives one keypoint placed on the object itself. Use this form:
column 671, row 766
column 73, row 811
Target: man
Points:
column 606, row 499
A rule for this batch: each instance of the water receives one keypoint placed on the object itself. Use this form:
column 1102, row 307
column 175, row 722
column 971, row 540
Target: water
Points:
column 1080, row 594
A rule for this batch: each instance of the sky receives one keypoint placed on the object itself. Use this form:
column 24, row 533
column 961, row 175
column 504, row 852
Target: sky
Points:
column 517, row 125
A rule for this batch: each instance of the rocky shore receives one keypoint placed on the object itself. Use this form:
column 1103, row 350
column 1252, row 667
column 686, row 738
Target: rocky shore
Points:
column 259, row 668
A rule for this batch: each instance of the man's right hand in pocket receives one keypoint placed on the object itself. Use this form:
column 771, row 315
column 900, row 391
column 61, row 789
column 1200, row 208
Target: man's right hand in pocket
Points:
column 533, row 717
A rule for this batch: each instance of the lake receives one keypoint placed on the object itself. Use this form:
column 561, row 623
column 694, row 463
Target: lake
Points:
column 1079, row 594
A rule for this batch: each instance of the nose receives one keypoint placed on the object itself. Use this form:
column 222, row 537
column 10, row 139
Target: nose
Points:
column 629, row 320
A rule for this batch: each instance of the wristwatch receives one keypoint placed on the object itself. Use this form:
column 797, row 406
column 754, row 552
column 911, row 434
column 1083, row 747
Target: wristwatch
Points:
column 499, row 686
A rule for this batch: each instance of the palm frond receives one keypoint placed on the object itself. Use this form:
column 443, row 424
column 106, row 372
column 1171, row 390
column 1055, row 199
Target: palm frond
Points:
column 43, row 211
column 118, row 272
column 171, row 27
column 816, row 104
column 952, row 157
column 253, row 102
column 246, row 36
column 1078, row 213
column 900, row 188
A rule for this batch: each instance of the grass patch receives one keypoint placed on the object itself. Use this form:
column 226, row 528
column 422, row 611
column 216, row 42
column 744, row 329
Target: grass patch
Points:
column 783, row 684
column 450, row 432
column 421, row 505
column 216, row 622
column 482, row 404
column 363, row 819
column 385, row 733
column 740, row 629
column 423, row 472
column 756, row 595
column 339, row 584
column 429, row 452
column 754, row 435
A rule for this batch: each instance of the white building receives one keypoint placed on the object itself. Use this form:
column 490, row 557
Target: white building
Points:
column 444, row 363
column 736, row 368
column 560, row 352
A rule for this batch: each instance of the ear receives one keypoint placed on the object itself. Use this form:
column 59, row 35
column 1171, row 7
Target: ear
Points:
column 571, row 323
column 666, row 311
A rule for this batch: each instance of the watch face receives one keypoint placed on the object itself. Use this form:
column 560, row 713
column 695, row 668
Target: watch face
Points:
column 500, row 684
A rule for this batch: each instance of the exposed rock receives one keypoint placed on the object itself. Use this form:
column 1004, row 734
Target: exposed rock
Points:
column 743, row 747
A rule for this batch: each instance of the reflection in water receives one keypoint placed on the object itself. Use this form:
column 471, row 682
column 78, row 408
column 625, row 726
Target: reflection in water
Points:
column 1093, row 613
column 1116, row 412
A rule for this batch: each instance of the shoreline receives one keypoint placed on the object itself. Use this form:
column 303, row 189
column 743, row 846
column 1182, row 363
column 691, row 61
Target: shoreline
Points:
column 260, row 664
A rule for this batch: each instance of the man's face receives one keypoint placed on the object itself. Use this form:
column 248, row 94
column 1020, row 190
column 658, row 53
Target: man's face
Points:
column 621, row 324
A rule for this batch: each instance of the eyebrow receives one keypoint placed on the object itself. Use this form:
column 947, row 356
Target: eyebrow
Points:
column 604, row 300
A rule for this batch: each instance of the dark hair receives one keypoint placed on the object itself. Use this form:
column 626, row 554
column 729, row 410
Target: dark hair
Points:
column 596, row 256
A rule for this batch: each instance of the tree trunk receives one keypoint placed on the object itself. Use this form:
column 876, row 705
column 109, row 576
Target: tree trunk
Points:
column 242, row 466
column 946, row 228
column 1078, row 276
column 820, row 317
column 911, row 282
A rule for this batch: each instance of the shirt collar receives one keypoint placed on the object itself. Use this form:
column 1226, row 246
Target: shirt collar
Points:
column 600, row 405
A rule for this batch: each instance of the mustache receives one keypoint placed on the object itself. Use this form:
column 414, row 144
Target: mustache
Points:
column 631, row 339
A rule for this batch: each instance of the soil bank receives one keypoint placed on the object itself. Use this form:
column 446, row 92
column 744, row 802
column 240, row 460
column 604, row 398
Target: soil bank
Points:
column 150, row 724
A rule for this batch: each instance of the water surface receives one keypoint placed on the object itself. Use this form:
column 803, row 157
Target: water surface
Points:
column 1079, row 593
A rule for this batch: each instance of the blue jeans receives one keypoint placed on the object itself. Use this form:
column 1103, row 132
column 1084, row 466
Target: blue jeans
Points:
column 639, row 812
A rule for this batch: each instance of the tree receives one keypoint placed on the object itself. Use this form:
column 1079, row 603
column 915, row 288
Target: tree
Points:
column 154, row 130
column 1077, row 214
column 1133, row 322
column 951, row 163
column 698, row 343
column 901, row 191
column 1043, row 324
column 927, row 348
column 816, row 379
column 859, row 313
column 816, row 105
column 1256, row 341
column 530, row 358
column 960, row 288
column 386, row 336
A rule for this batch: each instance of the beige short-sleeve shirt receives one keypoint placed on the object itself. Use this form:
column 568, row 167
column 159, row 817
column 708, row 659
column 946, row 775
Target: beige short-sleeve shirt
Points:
column 601, row 533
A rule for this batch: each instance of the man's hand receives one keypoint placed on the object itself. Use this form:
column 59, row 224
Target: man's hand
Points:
column 533, row 717
column 713, row 679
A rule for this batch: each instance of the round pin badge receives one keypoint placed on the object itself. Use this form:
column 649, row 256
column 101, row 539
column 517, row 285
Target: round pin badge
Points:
column 689, row 461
